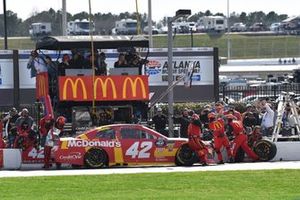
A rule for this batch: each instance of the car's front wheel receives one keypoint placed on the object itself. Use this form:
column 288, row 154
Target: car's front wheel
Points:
column 95, row 158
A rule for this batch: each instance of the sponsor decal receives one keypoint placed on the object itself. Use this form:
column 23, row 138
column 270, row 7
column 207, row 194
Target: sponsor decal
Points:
column 160, row 142
column 71, row 156
column 153, row 67
column 42, row 85
column 86, row 143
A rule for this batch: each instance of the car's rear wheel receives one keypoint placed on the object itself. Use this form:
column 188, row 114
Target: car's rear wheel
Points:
column 265, row 149
column 95, row 158
column 185, row 156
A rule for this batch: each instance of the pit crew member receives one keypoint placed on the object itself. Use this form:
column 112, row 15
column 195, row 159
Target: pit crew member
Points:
column 241, row 139
column 51, row 139
column 195, row 143
column 217, row 126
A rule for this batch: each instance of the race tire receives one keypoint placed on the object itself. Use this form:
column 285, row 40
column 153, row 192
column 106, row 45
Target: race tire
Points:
column 265, row 149
column 185, row 156
column 240, row 155
column 95, row 158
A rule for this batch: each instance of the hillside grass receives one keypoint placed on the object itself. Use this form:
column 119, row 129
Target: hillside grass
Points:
column 242, row 46
column 269, row 184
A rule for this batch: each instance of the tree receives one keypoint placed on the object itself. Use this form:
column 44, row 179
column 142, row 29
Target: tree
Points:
column 13, row 22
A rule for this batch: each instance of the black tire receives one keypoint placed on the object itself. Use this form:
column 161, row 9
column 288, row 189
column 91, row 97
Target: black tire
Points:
column 185, row 156
column 240, row 155
column 265, row 149
column 95, row 158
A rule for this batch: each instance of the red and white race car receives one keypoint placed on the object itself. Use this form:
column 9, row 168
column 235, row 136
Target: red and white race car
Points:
column 123, row 144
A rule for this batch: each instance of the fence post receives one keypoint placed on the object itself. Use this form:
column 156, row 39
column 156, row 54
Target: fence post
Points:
column 16, row 101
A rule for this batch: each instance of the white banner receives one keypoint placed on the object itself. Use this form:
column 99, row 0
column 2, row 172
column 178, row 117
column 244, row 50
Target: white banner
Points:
column 157, row 69
column 6, row 74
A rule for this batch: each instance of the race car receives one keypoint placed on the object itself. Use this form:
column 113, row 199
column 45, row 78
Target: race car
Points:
column 122, row 144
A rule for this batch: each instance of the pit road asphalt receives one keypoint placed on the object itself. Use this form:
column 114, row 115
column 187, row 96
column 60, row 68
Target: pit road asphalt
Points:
column 29, row 171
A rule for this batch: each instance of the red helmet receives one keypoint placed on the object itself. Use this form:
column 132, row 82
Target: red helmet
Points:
column 195, row 116
column 211, row 115
column 230, row 116
column 60, row 122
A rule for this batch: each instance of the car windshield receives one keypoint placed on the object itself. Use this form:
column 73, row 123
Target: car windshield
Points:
column 220, row 21
column 83, row 25
column 131, row 24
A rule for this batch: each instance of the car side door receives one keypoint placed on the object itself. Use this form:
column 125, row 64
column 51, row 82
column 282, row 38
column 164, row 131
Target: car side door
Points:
column 137, row 145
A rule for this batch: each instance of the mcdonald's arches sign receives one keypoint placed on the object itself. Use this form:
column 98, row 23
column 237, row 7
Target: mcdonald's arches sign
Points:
column 42, row 85
column 103, row 88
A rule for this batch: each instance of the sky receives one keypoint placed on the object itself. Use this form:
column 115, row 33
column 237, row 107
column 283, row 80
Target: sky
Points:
column 160, row 8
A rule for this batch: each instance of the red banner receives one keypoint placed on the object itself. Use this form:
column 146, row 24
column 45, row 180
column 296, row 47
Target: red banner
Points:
column 1, row 158
column 42, row 85
column 103, row 88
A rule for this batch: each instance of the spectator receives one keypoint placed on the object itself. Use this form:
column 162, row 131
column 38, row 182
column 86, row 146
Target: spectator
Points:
column 249, row 118
column 184, row 122
column 121, row 62
column 267, row 118
column 52, row 74
column 24, row 122
column 10, row 126
column 160, row 121
column 77, row 61
column 36, row 64
column 102, row 68
column 96, row 63
column 63, row 65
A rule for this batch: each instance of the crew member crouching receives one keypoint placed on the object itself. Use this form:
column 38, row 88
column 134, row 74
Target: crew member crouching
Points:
column 241, row 139
column 51, row 139
column 195, row 143
column 217, row 126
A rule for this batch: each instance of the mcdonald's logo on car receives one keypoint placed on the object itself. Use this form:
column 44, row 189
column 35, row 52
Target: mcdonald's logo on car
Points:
column 74, row 87
column 133, row 84
column 104, row 86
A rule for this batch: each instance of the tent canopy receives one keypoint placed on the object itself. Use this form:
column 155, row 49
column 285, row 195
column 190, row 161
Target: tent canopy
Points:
column 100, row 42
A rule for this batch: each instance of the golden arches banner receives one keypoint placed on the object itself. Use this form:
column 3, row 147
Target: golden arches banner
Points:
column 104, row 88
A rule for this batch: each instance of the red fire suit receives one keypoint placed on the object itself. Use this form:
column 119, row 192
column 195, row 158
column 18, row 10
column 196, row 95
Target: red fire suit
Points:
column 51, row 138
column 241, row 139
column 220, row 139
column 2, row 142
column 195, row 142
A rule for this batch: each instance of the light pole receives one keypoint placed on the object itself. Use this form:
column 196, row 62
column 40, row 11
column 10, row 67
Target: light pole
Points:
column 150, row 24
column 228, row 32
column 5, row 25
column 179, row 13
column 64, row 18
